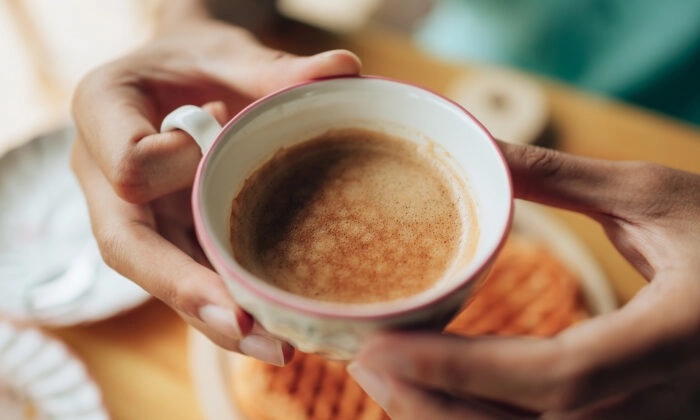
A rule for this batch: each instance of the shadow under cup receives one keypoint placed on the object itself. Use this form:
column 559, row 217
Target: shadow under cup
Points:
column 303, row 112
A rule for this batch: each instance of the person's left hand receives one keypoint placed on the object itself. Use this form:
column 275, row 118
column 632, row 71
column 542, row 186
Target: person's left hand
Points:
column 642, row 361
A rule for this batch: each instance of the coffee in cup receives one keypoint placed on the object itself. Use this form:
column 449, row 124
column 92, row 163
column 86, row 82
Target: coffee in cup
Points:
column 354, row 216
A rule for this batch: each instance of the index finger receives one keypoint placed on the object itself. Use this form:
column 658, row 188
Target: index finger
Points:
column 118, row 107
column 117, row 119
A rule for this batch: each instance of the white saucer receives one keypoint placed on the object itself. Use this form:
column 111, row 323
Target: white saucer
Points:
column 533, row 222
column 44, row 228
column 211, row 365
column 41, row 379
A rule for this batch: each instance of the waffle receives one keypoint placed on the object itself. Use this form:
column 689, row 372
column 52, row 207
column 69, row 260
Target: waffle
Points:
column 527, row 292
column 307, row 388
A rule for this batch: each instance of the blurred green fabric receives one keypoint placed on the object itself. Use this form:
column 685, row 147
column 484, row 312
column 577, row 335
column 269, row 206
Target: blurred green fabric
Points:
column 641, row 51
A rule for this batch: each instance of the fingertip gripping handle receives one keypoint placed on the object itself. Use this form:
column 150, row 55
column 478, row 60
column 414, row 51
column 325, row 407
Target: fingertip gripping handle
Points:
column 196, row 122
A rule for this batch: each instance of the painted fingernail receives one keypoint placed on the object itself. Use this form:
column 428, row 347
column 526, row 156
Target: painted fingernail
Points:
column 220, row 319
column 263, row 348
column 374, row 385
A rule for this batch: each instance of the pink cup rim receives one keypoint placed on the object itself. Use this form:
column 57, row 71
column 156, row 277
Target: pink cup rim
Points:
column 221, row 259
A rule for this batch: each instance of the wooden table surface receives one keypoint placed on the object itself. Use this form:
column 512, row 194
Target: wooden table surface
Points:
column 140, row 359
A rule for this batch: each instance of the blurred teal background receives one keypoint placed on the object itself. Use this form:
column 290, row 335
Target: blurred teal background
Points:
column 642, row 51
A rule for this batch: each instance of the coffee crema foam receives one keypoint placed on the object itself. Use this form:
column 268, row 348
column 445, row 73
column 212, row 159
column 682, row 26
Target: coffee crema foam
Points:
column 353, row 216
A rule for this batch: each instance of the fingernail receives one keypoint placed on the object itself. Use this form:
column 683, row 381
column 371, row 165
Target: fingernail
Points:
column 266, row 349
column 328, row 54
column 374, row 385
column 220, row 319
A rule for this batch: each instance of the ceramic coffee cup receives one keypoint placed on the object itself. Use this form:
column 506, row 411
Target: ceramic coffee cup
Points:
column 230, row 154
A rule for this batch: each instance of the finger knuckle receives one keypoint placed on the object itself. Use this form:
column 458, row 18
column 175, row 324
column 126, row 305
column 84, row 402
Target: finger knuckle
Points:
column 111, row 246
column 125, row 172
column 544, row 162
column 184, row 295
column 128, row 179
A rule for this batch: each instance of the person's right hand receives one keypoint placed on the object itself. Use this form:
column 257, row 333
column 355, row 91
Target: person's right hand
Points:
column 137, row 181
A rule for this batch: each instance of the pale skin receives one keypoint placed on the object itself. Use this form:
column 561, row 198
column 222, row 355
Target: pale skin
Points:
column 137, row 180
column 643, row 357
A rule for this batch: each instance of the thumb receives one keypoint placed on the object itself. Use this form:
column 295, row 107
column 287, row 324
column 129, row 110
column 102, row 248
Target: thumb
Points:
column 287, row 69
column 259, row 70
column 238, row 60
column 563, row 180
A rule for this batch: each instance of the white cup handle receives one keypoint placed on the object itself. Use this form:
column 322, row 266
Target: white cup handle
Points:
column 196, row 122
